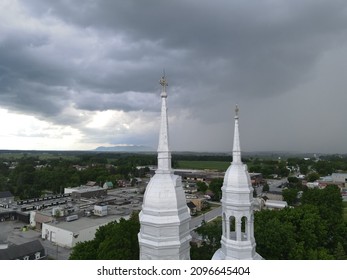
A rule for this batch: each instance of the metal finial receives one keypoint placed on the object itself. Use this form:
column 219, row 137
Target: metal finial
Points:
column 163, row 82
column 237, row 110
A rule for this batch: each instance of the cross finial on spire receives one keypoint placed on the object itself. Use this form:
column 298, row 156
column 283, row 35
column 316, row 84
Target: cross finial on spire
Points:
column 237, row 111
column 163, row 82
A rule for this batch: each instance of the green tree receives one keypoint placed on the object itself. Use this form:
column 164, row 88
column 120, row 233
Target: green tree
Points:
column 202, row 187
column 292, row 233
column 339, row 252
column 114, row 241
column 215, row 186
column 329, row 204
column 266, row 187
column 312, row 176
column 84, row 251
column 290, row 196
column 293, row 180
column 211, row 235
column 274, row 237
column 124, row 244
column 323, row 167
column 303, row 167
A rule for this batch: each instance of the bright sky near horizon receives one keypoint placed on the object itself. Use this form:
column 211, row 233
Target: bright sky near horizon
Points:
column 85, row 73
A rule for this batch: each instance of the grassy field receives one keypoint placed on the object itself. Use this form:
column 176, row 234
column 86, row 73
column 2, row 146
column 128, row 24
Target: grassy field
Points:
column 345, row 210
column 216, row 165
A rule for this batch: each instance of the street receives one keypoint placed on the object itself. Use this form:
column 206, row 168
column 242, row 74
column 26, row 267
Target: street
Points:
column 196, row 222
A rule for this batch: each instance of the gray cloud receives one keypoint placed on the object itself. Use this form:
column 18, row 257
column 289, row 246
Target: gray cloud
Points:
column 62, row 57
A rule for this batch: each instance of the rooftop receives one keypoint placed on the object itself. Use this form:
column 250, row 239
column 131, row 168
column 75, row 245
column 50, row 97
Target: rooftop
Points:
column 87, row 222
column 5, row 194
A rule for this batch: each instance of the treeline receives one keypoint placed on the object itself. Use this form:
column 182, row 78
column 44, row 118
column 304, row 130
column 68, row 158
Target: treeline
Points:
column 268, row 167
column 31, row 176
column 201, row 157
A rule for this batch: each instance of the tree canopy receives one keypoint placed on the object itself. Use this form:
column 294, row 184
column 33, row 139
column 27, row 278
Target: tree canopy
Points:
column 211, row 235
column 114, row 241
column 216, row 187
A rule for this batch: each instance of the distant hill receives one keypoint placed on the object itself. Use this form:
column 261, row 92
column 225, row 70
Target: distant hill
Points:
column 125, row 148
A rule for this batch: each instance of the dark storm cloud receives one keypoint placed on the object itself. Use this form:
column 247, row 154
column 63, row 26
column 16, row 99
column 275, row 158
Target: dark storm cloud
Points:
column 273, row 44
column 128, row 101
column 108, row 55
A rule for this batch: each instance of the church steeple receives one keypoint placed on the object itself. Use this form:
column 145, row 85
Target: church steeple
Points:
column 237, row 241
column 165, row 217
column 164, row 155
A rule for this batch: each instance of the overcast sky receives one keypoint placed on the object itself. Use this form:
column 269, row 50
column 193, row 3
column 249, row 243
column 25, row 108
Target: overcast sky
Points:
column 85, row 73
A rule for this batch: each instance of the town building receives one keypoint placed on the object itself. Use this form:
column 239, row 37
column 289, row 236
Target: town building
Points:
column 340, row 178
column 87, row 191
column 67, row 233
column 165, row 217
column 6, row 198
column 32, row 250
column 238, row 242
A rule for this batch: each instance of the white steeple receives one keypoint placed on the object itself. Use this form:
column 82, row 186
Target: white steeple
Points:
column 238, row 241
column 236, row 147
column 165, row 217
column 164, row 155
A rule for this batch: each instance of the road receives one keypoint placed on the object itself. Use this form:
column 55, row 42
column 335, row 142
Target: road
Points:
column 196, row 222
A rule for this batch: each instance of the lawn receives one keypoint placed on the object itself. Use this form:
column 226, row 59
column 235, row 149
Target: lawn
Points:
column 214, row 165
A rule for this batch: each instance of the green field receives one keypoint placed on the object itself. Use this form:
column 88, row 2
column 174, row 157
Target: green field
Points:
column 214, row 165
column 345, row 210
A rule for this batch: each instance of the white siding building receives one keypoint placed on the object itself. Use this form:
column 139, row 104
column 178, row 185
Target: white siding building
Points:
column 67, row 234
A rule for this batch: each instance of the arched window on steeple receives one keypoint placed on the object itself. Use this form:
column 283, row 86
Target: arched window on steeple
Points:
column 244, row 226
column 232, row 226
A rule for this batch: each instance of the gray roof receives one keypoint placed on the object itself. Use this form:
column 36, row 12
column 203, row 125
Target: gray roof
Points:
column 6, row 194
column 14, row 252
column 191, row 205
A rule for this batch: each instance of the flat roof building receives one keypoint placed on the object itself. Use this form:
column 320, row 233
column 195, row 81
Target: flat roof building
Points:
column 68, row 234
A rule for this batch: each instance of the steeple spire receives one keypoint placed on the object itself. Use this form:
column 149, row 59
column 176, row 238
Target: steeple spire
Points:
column 236, row 147
column 165, row 218
column 238, row 242
column 164, row 155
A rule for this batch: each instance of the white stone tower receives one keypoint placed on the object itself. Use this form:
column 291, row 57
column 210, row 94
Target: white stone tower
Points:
column 165, row 217
column 238, row 241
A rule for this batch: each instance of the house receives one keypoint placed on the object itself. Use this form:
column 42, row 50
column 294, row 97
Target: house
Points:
column 256, row 179
column 275, row 204
column 38, row 218
column 108, row 185
column 192, row 208
column 32, row 250
column 91, row 184
column 6, row 197
column 200, row 203
column 340, row 178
